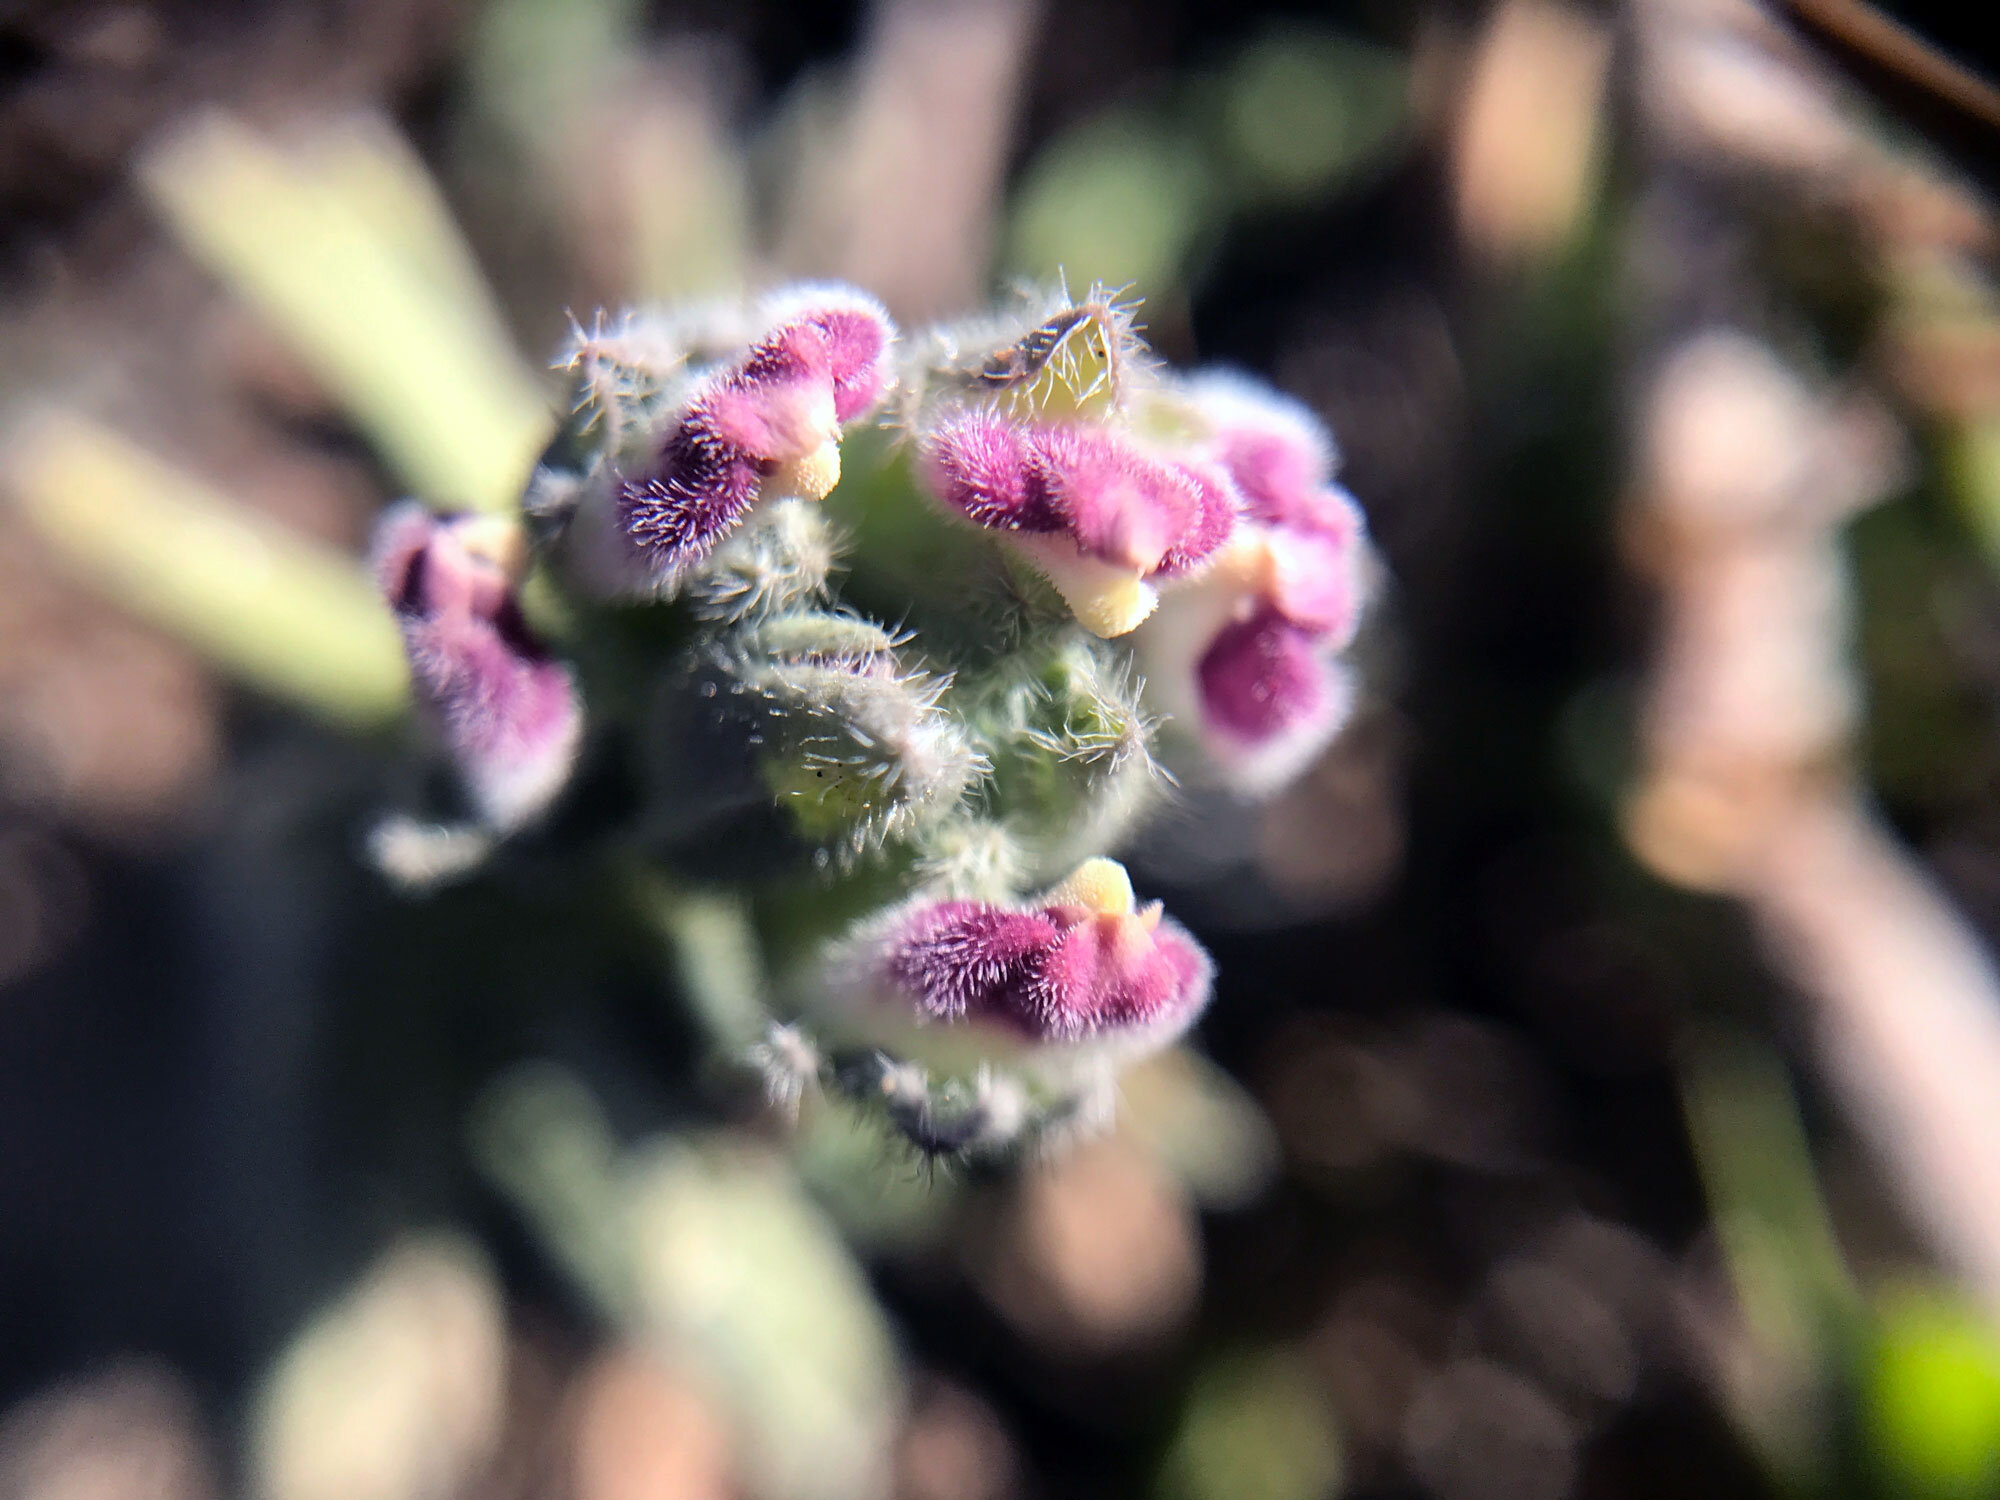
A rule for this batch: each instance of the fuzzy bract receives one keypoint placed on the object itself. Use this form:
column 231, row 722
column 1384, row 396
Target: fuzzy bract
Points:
column 853, row 745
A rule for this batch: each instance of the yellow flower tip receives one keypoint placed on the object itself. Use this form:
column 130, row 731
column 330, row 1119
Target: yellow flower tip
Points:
column 814, row 475
column 497, row 540
column 1114, row 611
column 1248, row 563
column 1108, row 600
column 1100, row 886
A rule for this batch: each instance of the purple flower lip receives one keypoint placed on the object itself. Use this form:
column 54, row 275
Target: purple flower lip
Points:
column 1277, row 450
column 1101, row 517
column 507, row 711
column 1314, row 578
column 762, row 425
column 1082, row 969
column 1261, row 677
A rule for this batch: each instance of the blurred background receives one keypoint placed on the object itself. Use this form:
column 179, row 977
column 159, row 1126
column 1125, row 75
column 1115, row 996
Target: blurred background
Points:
column 1602, row 1095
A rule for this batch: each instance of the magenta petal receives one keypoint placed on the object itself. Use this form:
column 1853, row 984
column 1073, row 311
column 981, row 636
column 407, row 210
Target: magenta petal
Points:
column 1125, row 506
column 408, row 577
column 856, row 340
column 1332, row 512
column 1276, row 475
column 1213, row 522
column 984, row 468
column 1277, row 451
column 696, row 493
column 777, row 405
column 1113, row 976
column 510, row 720
column 792, row 352
column 856, row 334
column 764, row 421
column 957, row 956
column 1316, row 583
column 780, row 402
column 1117, row 503
column 1261, row 677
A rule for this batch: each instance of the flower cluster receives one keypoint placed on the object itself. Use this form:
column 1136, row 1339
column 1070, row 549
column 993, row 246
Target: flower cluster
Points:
column 1108, row 546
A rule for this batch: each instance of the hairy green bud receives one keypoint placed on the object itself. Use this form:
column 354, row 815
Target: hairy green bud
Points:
column 780, row 560
column 1071, row 749
column 856, row 749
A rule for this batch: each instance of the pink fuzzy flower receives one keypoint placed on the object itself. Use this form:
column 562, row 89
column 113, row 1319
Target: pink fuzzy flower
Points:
column 1103, row 518
column 1082, row 971
column 765, row 423
column 508, row 712
column 1281, row 460
column 1246, row 662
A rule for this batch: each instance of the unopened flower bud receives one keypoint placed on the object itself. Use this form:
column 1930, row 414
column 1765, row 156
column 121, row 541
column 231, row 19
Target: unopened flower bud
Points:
column 855, row 748
column 1050, row 356
column 780, row 560
column 1061, row 721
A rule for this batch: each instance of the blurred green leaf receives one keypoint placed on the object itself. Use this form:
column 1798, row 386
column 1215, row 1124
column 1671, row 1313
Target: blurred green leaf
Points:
column 735, row 1264
column 1303, row 107
column 1790, row 1281
column 709, row 1251
column 1757, row 1168
column 1203, row 1125
column 852, row 1166
column 1933, row 1394
column 1120, row 199
column 1974, row 464
column 281, row 612
column 341, row 241
column 716, row 959
column 1256, row 1427
column 395, row 1390
column 1921, row 593
column 531, row 58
